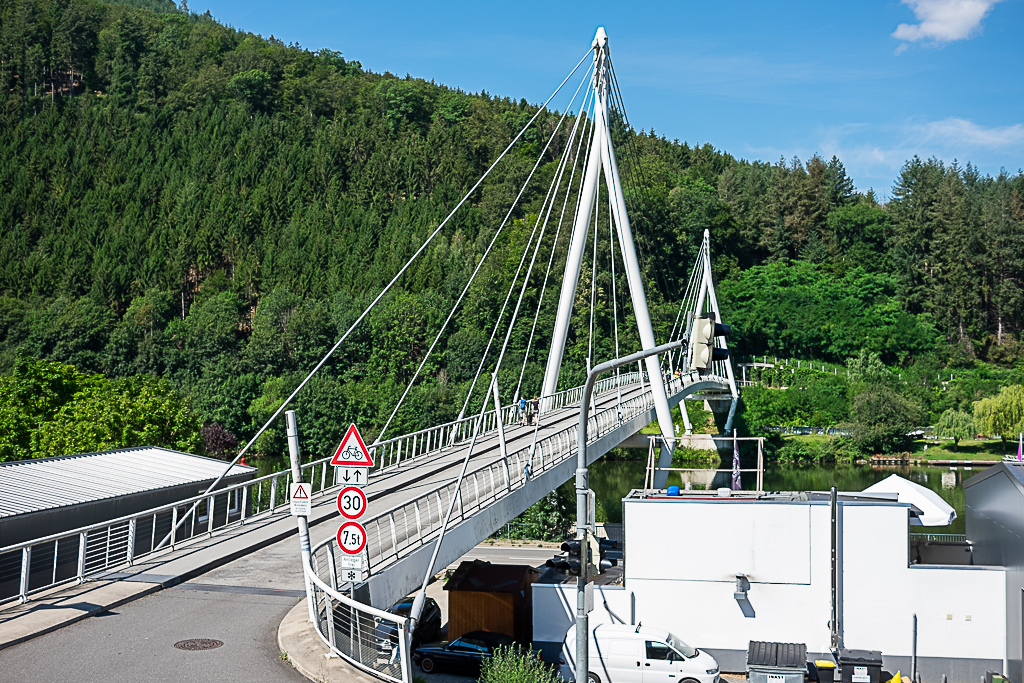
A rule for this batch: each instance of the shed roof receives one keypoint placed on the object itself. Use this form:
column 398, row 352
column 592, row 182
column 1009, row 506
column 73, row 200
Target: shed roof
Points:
column 480, row 575
column 45, row 483
column 1013, row 469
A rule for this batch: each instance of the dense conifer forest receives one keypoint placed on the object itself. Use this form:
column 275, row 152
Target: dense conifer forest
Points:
column 191, row 214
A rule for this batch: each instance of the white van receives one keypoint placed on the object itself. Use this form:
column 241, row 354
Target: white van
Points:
column 638, row 654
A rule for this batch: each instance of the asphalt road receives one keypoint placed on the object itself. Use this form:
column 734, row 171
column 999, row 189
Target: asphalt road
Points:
column 241, row 603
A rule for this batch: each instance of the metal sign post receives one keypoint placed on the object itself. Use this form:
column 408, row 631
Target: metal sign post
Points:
column 293, row 454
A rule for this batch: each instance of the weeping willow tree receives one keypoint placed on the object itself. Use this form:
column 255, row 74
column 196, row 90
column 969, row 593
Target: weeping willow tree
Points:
column 1002, row 414
column 956, row 425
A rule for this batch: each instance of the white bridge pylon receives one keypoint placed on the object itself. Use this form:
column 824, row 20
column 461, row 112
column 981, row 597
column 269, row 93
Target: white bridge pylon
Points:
column 602, row 158
column 699, row 300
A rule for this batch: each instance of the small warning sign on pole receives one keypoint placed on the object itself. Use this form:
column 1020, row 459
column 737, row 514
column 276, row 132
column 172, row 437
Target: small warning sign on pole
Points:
column 352, row 451
column 300, row 499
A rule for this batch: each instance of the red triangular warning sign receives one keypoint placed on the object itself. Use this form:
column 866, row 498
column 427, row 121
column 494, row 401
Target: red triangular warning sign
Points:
column 300, row 493
column 352, row 451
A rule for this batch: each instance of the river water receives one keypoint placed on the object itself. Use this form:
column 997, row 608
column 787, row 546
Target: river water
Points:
column 611, row 480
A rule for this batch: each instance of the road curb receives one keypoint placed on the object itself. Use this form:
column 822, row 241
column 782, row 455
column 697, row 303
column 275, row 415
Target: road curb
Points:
column 305, row 650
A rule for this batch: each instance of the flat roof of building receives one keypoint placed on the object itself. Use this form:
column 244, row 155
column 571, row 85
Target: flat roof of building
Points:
column 705, row 496
column 46, row 483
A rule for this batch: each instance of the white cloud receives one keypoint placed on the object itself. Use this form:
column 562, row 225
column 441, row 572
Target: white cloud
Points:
column 943, row 21
column 960, row 132
column 874, row 154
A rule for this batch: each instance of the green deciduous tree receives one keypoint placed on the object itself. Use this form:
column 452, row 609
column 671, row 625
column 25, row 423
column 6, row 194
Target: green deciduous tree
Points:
column 1001, row 415
column 134, row 411
column 956, row 425
column 881, row 420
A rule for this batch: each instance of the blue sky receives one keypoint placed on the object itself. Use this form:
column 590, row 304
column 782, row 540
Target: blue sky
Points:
column 873, row 82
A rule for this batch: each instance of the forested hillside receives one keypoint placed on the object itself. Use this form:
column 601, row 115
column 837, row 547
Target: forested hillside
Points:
column 210, row 209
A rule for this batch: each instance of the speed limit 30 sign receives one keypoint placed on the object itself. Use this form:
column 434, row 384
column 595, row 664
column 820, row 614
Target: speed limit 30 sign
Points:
column 351, row 502
column 351, row 538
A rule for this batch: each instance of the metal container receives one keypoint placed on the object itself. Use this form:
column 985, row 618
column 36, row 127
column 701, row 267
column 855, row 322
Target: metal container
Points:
column 776, row 662
column 860, row 666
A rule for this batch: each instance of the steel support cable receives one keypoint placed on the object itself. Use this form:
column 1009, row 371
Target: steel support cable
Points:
column 554, row 243
column 693, row 295
column 688, row 302
column 630, row 180
column 615, row 305
column 637, row 178
column 549, row 201
column 501, row 314
column 554, row 246
column 579, row 205
column 376, row 300
column 465, row 290
column 684, row 304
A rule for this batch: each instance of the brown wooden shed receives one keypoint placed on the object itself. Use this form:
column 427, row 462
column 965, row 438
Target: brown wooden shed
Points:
column 491, row 597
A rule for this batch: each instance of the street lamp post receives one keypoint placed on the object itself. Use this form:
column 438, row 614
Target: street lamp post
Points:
column 582, row 665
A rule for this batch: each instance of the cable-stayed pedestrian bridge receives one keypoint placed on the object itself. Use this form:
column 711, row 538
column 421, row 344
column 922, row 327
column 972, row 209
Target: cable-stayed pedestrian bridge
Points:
column 462, row 480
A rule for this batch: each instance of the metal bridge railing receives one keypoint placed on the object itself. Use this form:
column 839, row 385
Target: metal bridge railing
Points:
column 395, row 532
column 72, row 556
column 353, row 630
column 403, row 449
column 33, row 566
column 369, row 638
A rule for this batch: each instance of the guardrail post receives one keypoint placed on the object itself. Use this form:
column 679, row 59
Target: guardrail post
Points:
column 83, row 539
column 419, row 525
column 174, row 526
column 501, row 431
column 132, row 524
column 210, row 507
column 273, row 494
column 394, row 534
column 245, row 503
column 26, row 562
column 328, row 600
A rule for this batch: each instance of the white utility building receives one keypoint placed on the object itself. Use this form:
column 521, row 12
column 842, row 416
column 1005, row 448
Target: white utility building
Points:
column 722, row 571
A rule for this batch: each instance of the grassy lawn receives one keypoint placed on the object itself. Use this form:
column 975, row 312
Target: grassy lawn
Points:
column 986, row 449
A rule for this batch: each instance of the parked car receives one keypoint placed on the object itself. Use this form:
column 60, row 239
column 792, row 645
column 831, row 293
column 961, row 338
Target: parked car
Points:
column 637, row 654
column 427, row 630
column 463, row 655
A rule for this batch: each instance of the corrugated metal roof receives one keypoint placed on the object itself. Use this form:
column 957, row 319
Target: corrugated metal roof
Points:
column 33, row 485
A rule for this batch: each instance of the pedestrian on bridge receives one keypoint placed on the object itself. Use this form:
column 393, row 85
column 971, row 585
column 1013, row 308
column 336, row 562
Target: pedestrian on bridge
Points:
column 522, row 411
column 535, row 405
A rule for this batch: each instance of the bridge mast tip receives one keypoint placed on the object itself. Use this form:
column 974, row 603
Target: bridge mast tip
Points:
column 601, row 39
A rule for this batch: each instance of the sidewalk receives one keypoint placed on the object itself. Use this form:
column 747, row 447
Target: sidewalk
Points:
column 64, row 605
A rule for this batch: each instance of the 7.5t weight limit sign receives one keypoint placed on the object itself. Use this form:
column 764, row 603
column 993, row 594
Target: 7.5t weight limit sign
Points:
column 351, row 502
column 351, row 538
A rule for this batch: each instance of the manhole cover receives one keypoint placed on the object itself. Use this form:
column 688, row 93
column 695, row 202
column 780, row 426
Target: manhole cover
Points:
column 193, row 644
